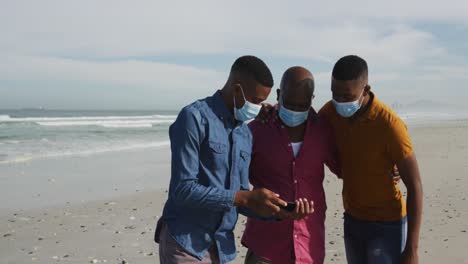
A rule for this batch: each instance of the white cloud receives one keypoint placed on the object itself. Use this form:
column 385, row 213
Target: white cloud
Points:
column 442, row 72
column 138, row 28
column 38, row 35
column 162, row 75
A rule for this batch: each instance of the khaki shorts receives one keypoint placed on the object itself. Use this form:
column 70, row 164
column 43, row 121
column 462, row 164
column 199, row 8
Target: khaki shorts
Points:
column 170, row 252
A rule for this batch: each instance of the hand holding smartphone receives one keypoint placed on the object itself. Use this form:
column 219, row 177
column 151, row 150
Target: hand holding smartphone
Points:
column 290, row 207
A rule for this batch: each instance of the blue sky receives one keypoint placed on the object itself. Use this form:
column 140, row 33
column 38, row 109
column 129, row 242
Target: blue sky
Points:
column 162, row 55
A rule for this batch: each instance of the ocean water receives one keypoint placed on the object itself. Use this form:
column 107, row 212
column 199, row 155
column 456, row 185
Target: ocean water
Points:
column 27, row 135
column 38, row 134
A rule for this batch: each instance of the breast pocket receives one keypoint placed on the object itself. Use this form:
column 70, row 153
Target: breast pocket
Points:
column 243, row 168
column 216, row 157
column 244, row 161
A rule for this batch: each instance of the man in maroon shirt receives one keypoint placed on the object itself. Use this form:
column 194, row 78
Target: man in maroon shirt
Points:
column 288, row 157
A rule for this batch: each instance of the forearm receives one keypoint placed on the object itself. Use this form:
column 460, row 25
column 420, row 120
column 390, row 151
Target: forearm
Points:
column 195, row 195
column 251, row 214
column 241, row 198
column 414, row 208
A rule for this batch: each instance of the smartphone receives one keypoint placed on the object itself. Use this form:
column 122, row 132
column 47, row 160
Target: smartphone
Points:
column 290, row 207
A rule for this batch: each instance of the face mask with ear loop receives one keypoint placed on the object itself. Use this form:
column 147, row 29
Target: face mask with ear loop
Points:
column 348, row 109
column 292, row 118
column 248, row 111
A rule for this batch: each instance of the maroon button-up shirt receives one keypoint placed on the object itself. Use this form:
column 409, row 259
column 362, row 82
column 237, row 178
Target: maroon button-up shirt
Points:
column 274, row 167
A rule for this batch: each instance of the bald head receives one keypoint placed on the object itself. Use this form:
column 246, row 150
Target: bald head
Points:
column 294, row 75
column 296, row 89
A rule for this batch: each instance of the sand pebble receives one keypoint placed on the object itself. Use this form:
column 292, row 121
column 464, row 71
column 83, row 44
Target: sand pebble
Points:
column 132, row 217
column 7, row 235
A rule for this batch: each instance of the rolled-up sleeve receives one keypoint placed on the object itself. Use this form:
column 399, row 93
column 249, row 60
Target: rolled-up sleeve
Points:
column 185, row 189
column 399, row 141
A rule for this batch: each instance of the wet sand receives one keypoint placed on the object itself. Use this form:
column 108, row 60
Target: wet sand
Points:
column 50, row 219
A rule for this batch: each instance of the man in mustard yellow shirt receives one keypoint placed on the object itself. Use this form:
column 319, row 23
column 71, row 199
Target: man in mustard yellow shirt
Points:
column 371, row 138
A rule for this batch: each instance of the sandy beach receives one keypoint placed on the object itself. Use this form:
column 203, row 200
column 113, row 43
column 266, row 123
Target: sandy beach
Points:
column 103, row 208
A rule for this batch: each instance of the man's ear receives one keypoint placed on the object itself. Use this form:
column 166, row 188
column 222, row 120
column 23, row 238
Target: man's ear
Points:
column 236, row 87
column 238, row 97
column 236, row 91
column 367, row 89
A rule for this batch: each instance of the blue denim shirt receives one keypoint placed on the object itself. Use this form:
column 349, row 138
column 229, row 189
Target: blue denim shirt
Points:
column 210, row 162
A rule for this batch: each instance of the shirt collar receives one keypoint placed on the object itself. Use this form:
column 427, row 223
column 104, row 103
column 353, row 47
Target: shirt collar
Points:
column 220, row 107
column 372, row 110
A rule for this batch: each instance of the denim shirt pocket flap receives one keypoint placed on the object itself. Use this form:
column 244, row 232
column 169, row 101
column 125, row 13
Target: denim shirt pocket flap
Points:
column 245, row 155
column 217, row 147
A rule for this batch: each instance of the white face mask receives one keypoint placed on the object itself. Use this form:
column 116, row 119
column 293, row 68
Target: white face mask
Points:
column 348, row 109
column 292, row 118
column 248, row 111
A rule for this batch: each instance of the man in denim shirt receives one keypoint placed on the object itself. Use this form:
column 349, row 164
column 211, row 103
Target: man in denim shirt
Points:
column 211, row 147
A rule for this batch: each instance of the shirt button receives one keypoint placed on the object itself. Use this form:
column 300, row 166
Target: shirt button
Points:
column 295, row 236
column 282, row 126
column 289, row 144
column 295, row 181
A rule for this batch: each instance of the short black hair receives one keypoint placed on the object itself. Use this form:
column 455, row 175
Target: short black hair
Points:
column 349, row 68
column 255, row 67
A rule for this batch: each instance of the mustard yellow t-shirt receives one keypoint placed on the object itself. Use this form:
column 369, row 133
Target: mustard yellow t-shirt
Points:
column 369, row 146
